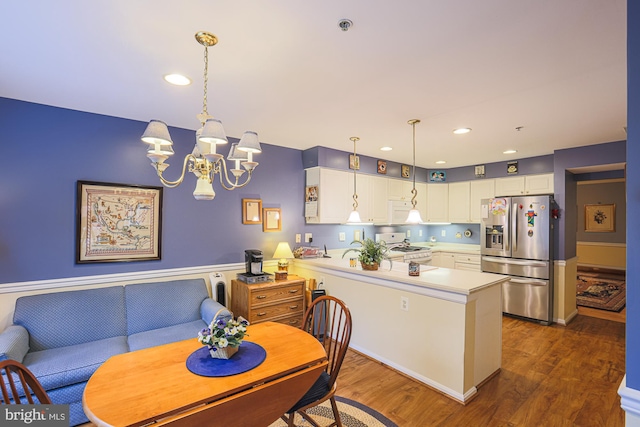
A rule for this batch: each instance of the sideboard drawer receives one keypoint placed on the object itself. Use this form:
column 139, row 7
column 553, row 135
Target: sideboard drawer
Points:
column 269, row 295
column 270, row 312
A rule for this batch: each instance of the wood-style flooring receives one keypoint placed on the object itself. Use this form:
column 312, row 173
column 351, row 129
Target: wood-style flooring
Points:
column 551, row 376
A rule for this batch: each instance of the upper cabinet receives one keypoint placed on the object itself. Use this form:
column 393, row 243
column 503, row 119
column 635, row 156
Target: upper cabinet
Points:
column 459, row 202
column 524, row 185
column 334, row 199
column 400, row 189
column 437, row 203
column 480, row 189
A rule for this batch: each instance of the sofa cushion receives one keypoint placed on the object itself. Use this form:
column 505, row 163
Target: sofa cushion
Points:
column 64, row 366
column 166, row 335
column 62, row 319
column 158, row 305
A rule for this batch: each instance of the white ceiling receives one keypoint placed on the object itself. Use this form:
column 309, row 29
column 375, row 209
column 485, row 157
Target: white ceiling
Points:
column 284, row 69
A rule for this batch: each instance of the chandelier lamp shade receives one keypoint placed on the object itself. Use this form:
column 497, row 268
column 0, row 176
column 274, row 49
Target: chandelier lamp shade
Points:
column 414, row 214
column 204, row 161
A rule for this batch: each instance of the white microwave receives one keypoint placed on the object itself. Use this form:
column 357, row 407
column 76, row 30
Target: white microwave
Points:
column 398, row 211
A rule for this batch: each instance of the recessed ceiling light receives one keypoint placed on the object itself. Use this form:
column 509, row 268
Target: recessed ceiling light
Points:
column 386, row 149
column 177, row 79
column 440, row 162
column 509, row 151
column 461, row 131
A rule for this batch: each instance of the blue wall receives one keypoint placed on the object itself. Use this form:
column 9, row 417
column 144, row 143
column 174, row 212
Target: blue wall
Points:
column 633, row 194
column 46, row 150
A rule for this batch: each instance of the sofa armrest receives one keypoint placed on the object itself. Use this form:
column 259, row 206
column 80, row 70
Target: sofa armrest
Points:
column 210, row 307
column 14, row 343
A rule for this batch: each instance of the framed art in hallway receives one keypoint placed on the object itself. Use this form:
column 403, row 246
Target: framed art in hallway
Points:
column 600, row 218
column 117, row 222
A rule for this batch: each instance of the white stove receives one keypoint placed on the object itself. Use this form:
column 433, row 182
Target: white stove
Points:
column 401, row 250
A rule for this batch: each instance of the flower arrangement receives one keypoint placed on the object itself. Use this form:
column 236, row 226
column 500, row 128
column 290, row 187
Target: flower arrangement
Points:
column 370, row 253
column 222, row 334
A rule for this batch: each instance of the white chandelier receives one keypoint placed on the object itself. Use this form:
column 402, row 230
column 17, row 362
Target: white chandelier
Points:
column 203, row 161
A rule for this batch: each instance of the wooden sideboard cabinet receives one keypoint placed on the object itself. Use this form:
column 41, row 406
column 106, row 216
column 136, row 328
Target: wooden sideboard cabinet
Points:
column 278, row 301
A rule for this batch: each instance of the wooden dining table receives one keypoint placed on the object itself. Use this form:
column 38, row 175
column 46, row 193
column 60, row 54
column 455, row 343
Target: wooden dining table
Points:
column 154, row 385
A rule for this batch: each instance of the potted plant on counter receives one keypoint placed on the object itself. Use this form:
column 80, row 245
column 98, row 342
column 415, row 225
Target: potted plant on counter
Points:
column 370, row 253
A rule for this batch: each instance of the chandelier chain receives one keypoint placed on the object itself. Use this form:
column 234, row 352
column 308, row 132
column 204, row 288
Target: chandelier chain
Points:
column 206, row 81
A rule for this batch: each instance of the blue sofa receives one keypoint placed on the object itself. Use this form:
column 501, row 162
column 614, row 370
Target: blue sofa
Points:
column 63, row 337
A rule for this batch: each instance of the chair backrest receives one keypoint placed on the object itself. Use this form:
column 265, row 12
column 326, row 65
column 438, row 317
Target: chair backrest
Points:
column 329, row 320
column 18, row 381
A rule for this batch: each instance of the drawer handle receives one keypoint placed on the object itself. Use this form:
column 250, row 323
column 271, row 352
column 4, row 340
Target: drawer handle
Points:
column 293, row 307
column 293, row 322
column 261, row 296
column 293, row 291
column 261, row 314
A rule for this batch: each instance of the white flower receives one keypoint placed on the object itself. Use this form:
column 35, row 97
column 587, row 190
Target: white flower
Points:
column 222, row 342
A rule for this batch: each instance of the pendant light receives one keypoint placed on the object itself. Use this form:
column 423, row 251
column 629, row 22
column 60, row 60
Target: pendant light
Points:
column 414, row 214
column 354, row 216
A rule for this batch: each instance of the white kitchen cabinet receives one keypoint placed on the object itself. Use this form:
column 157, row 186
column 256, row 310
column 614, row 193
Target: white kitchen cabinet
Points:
column 524, row 185
column 459, row 202
column 480, row 189
column 372, row 198
column 400, row 189
column 437, row 203
column 443, row 259
column 334, row 198
column 467, row 262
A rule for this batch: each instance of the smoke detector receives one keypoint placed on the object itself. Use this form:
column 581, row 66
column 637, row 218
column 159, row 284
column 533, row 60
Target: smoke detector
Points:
column 345, row 24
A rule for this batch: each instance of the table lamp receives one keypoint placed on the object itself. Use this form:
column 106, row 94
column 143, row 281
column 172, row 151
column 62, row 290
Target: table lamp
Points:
column 283, row 253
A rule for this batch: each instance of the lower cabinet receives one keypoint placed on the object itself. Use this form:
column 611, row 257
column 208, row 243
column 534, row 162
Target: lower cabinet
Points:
column 279, row 301
column 456, row 260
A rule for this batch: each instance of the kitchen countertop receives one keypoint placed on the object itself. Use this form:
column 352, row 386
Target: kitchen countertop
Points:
column 441, row 279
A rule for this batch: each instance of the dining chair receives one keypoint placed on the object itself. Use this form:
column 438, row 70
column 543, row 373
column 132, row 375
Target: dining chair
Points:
column 329, row 320
column 27, row 383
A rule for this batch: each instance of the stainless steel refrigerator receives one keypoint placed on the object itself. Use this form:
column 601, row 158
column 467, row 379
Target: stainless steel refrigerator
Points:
column 517, row 240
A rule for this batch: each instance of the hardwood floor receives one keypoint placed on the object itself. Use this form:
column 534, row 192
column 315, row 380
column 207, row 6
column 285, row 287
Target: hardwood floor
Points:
column 551, row 376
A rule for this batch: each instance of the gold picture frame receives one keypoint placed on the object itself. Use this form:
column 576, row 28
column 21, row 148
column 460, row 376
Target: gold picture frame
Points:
column 354, row 162
column 251, row 211
column 272, row 220
column 600, row 218
column 117, row 222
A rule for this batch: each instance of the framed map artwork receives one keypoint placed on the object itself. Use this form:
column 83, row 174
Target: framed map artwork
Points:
column 117, row 222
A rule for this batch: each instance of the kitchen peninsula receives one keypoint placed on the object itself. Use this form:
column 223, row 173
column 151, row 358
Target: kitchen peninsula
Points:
column 443, row 328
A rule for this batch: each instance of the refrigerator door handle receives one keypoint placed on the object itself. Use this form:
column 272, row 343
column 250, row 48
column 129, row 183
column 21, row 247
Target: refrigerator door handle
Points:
column 514, row 225
column 528, row 263
column 528, row 282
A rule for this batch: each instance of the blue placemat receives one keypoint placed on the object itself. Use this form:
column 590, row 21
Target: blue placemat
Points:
column 249, row 356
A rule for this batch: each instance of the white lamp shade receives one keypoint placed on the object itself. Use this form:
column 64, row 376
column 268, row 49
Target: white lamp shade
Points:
column 235, row 154
column 213, row 132
column 204, row 189
column 414, row 217
column 249, row 142
column 283, row 251
column 354, row 218
column 157, row 132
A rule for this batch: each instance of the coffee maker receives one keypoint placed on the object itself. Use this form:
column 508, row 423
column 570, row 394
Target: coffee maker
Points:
column 254, row 274
column 253, row 260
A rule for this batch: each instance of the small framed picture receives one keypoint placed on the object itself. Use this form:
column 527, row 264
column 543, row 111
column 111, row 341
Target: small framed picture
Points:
column 438, row 176
column 354, row 162
column 406, row 171
column 600, row 218
column 512, row 168
column 251, row 211
column 382, row 167
column 272, row 220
